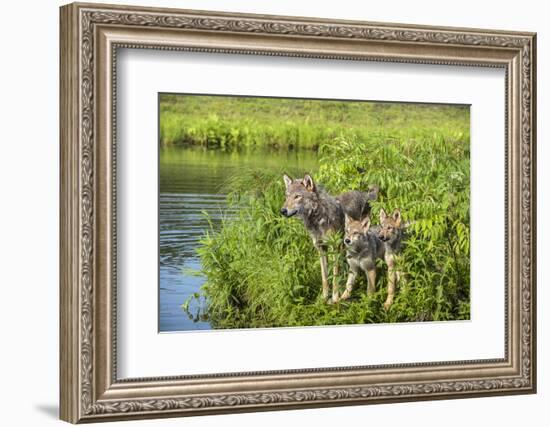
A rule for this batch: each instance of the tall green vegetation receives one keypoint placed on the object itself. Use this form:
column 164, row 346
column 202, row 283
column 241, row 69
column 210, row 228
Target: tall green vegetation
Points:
column 262, row 269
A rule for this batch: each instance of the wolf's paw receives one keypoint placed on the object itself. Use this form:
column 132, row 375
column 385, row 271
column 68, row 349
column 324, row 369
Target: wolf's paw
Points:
column 334, row 299
column 345, row 295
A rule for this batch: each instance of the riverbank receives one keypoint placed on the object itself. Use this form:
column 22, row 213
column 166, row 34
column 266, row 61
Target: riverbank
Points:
column 230, row 122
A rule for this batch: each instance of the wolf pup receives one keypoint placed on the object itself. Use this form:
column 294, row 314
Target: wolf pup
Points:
column 363, row 248
column 391, row 233
column 323, row 214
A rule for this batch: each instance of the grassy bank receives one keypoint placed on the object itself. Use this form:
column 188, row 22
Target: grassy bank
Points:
column 231, row 122
column 262, row 269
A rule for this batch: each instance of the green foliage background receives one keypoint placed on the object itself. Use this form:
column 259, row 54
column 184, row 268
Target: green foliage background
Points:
column 262, row 269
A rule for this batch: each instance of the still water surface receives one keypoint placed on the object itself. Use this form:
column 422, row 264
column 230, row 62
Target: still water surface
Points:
column 191, row 183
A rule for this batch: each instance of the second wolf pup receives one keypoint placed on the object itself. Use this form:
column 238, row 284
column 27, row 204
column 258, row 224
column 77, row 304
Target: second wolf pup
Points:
column 363, row 248
column 391, row 232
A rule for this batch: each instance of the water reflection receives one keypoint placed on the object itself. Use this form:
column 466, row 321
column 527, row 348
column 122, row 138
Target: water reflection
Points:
column 192, row 184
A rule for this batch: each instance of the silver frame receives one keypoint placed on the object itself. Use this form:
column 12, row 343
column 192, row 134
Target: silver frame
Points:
column 90, row 37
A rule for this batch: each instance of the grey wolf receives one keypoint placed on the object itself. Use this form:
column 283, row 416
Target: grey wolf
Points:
column 363, row 248
column 391, row 233
column 322, row 215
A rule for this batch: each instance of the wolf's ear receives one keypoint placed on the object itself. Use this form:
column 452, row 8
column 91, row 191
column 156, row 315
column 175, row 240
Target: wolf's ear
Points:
column 308, row 182
column 287, row 179
column 365, row 224
column 347, row 219
column 397, row 216
column 383, row 215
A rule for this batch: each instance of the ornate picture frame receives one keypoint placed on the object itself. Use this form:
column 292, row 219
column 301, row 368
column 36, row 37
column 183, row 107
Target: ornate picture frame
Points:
column 90, row 37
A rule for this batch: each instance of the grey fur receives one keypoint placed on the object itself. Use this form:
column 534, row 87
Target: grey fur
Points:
column 321, row 214
column 356, row 204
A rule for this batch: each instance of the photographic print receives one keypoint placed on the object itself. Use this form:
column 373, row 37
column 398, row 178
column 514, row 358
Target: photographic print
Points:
column 282, row 212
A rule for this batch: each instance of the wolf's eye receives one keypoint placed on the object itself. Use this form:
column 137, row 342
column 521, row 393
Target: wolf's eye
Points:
column 297, row 196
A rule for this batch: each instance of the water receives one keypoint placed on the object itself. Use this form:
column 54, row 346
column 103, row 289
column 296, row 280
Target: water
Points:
column 191, row 182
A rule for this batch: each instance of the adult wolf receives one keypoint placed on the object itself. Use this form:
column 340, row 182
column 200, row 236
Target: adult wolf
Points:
column 363, row 248
column 322, row 215
column 391, row 232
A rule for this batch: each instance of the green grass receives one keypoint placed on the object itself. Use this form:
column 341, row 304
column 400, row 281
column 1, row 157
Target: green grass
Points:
column 262, row 269
column 232, row 122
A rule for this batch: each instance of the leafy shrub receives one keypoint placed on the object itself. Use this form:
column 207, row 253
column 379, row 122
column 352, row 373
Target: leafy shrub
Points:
column 428, row 178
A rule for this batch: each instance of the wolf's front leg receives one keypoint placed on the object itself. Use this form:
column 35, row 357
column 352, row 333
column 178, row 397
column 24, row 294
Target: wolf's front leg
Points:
column 371, row 279
column 369, row 267
column 393, row 276
column 335, row 273
column 324, row 273
column 349, row 284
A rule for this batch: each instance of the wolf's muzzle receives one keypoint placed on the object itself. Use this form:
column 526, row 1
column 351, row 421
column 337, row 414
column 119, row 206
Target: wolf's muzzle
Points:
column 287, row 213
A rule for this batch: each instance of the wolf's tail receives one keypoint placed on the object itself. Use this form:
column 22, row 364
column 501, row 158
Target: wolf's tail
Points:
column 372, row 192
